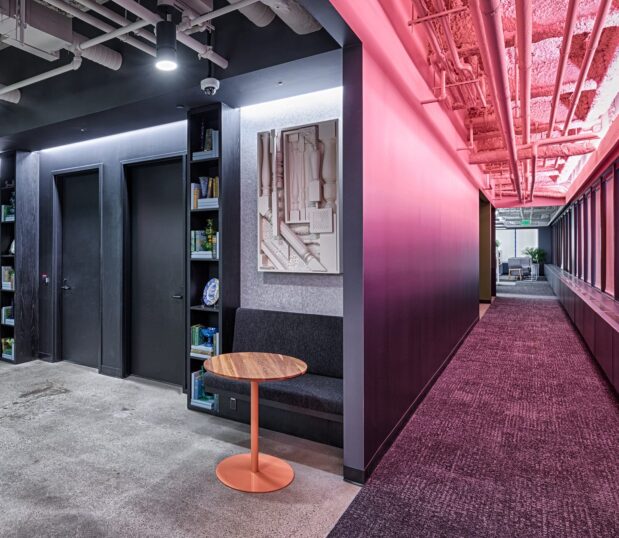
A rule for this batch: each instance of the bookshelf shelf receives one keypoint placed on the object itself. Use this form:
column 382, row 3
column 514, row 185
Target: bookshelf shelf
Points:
column 200, row 161
column 7, row 299
column 201, row 308
column 212, row 127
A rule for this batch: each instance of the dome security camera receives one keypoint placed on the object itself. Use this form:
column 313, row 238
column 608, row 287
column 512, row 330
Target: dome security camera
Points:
column 209, row 85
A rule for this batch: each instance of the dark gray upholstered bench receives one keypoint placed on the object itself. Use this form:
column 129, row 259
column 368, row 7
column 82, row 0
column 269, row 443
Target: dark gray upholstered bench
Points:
column 310, row 406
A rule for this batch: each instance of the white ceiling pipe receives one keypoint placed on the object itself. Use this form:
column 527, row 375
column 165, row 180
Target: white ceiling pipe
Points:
column 12, row 96
column 258, row 13
column 74, row 65
column 294, row 15
column 99, row 54
column 112, row 35
column 103, row 26
column 115, row 17
column 204, row 51
column 218, row 13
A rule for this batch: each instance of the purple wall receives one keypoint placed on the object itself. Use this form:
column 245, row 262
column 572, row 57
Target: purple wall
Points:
column 420, row 259
column 411, row 255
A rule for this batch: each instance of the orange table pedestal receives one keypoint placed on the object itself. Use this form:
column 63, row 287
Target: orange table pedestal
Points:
column 255, row 472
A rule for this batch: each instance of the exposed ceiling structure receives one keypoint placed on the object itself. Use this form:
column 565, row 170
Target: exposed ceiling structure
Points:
column 78, row 59
column 525, row 217
column 537, row 82
column 44, row 28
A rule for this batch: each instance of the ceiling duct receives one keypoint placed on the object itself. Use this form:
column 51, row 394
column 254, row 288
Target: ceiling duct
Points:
column 12, row 97
column 294, row 15
column 257, row 13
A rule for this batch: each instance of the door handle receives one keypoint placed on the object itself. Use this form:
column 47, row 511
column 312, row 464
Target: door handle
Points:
column 65, row 286
column 179, row 297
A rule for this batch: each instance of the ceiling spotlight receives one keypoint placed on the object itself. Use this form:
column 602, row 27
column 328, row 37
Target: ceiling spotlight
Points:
column 166, row 46
column 166, row 35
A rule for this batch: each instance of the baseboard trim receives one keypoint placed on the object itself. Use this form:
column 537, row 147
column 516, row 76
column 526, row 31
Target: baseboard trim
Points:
column 111, row 371
column 486, row 301
column 361, row 477
column 354, row 476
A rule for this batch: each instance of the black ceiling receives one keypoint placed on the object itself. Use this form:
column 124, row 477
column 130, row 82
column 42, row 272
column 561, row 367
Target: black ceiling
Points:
column 94, row 101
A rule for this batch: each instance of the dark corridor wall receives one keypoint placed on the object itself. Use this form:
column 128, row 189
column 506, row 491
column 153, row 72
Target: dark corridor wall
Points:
column 108, row 152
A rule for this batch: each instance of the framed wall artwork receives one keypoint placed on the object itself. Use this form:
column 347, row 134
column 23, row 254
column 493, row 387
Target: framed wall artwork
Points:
column 298, row 199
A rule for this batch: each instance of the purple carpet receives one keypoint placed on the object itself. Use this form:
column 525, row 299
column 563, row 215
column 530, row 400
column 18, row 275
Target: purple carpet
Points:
column 518, row 437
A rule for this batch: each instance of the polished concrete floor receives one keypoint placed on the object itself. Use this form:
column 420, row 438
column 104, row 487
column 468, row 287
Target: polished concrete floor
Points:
column 84, row 455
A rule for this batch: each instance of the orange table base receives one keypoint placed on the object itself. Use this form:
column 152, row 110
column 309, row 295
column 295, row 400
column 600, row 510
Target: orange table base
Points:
column 273, row 474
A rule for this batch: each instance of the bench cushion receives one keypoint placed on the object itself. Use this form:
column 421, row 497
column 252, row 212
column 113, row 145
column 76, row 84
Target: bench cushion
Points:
column 317, row 340
column 315, row 392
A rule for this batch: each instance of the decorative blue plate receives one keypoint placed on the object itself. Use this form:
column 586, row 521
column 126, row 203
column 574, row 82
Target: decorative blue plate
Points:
column 211, row 292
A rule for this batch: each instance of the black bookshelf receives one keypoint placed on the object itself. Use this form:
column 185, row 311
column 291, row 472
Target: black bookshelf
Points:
column 225, row 220
column 18, row 251
column 7, row 236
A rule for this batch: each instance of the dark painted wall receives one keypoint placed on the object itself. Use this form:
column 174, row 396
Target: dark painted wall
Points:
column 109, row 152
column 421, row 252
column 544, row 241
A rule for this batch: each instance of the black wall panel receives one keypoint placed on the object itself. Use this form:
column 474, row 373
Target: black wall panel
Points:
column 109, row 152
column 26, row 248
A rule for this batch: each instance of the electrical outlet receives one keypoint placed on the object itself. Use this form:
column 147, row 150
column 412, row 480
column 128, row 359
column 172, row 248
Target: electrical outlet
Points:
column 233, row 404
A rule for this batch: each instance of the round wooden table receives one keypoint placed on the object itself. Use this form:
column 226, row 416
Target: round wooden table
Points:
column 255, row 472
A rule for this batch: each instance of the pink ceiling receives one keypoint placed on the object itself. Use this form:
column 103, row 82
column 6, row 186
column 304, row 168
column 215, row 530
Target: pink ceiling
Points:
column 596, row 108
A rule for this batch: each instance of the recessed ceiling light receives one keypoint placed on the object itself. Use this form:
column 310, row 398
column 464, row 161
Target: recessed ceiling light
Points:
column 280, row 83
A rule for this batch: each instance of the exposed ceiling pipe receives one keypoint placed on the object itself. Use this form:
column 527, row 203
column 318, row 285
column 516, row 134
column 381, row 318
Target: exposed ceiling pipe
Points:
column 566, row 149
column 259, row 14
column 592, row 45
column 524, row 30
column 94, row 52
column 207, row 17
column 11, row 96
column 462, row 67
column 112, row 35
column 566, row 46
column 204, row 51
column 294, row 15
column 74, row 65
column 441, row 59
column 489, row 32
column 115, row 17
column 97, row 23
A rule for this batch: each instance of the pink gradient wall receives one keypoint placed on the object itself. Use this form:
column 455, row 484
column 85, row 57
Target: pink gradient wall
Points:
column 420, row 230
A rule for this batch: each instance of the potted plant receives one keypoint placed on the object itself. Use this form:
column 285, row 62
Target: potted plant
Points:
column 538, row 257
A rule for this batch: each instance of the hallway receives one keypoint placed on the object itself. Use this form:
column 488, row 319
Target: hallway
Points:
column 518, row 437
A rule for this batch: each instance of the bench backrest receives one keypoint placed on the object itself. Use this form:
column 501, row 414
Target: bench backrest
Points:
column 317, row 340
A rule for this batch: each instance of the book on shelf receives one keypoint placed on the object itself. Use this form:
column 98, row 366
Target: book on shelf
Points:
column 7, row 348
column 204, row 245
column 210, row 149
column 198, row 198
column 204, row 341
column 199, row 397
column 7, row 317
column 8, row 213
column 8, row 278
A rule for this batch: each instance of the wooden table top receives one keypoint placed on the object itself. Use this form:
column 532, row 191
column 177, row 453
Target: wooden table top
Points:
column 251, row 366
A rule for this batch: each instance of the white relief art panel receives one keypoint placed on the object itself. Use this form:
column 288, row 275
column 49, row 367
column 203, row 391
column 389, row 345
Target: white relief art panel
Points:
column 298, row 199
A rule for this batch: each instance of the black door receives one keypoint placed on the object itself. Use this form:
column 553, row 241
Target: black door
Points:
column 80, row 298
column 157, row 252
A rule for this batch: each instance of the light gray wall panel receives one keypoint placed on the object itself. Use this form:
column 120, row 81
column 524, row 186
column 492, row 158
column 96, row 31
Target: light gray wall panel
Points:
column 311, row 294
